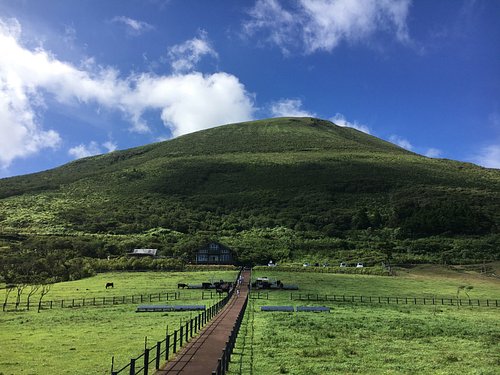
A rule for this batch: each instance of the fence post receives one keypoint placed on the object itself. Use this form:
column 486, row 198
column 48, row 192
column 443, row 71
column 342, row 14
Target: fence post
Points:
column 174, row 349
column 146, row 361
column 187, row 331
column 132, row 366
column 167, row 346
column 228, row 356
column 181, row 335
column 158, row 354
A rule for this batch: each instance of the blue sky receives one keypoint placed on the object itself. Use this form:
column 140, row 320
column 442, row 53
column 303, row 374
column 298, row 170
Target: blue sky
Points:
column 79, row 78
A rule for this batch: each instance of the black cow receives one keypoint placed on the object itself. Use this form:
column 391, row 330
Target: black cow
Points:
column 182, row 285
column 109, row 285
column 224, row 288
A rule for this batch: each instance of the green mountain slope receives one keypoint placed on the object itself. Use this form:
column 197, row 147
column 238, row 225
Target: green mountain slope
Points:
column 294, row 187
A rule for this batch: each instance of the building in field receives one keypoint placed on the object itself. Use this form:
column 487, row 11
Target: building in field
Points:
column 214, row 253
column 143, row 253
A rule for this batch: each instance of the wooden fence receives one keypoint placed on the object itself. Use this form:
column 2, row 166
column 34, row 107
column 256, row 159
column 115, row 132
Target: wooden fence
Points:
column 223, row 361
column 394, row 300
column 93, row 301
column 445, row 301
column 172, row 342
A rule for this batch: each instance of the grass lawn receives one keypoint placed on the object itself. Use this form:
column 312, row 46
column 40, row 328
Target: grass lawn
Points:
column 422, row 281
column 83, row 340
column 372, row 338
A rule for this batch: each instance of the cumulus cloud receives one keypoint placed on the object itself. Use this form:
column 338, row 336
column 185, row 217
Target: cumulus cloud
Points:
column 401, row 142
column 289, row 108
column 488, row 156
column 93, row 148
column 316, row 25
column 340, row 120
column 134, row 27
column 186, row 102
column 184, row 57
column 22, row 133
column 433, row 153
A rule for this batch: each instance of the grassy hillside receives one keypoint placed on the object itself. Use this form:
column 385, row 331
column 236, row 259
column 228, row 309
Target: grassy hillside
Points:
column 287, row 188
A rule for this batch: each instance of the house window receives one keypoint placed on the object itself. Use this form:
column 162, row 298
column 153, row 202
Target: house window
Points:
column 214, row 246
column 203, row 251
column 225, row 258
column 225, row 251
column 202, row 258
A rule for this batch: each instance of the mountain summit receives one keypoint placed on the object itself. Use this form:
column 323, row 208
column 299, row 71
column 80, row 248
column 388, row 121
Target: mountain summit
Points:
column 318, row 182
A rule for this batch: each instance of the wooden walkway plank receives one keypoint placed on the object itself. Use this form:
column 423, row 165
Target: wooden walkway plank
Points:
column 200, row 355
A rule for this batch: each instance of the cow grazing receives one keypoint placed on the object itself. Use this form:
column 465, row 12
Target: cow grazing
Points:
column 182, row 285
column 109, row 285
column 224, row 288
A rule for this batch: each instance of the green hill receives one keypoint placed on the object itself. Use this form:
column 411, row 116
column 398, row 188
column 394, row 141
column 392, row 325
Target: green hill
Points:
column 287, row 188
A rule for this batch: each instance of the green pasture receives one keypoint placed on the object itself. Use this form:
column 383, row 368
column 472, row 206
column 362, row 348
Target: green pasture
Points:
column 425, row 281
column 127, row 284
column 369, row 339
column 372, row 338
column 83, row 340
column 352, row 338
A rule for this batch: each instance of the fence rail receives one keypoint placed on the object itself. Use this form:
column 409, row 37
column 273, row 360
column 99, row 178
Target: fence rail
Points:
column 92, row 301
column 392, row 300
column 171, row 343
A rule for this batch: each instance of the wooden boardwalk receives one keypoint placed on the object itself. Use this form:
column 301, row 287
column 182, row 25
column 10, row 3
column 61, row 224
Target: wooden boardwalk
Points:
column 201, row 354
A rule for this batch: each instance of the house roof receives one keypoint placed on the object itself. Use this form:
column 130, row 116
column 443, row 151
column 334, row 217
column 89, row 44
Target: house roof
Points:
column 151, row 252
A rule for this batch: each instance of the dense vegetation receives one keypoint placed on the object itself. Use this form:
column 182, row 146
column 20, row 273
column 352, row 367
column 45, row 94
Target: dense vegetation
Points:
column 290, row 189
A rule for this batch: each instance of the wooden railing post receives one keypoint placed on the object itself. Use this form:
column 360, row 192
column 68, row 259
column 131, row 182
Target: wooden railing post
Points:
column 158, row 355
column 132, row 367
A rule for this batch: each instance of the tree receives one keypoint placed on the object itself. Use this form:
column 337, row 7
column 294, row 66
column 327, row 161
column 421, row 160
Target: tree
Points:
column 8, row 289
column 20, row 288
column 33, row 289
column 45, row 289
column 360, row 219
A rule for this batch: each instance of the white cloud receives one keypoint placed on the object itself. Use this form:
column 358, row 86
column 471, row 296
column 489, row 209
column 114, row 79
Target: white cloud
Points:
column 401, row 142
column 289, row 108
column 110, row 146
column 134, row 27
column 488, row 156
column 433, row 153
column 340, row 120
column 315, row 25
column 187, row 102
column 93, row 148
column 185, row 56
column 21, row 133
column 191, row 102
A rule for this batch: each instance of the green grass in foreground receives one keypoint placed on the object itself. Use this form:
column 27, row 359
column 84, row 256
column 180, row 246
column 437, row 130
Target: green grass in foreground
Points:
column 369, row 339
column 372, row 338
column 83, row 340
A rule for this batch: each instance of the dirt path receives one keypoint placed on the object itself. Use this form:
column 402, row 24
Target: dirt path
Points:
column 200, row 355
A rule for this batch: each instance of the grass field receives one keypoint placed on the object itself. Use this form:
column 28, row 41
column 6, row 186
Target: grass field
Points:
column 371, row 338
column 352, row 338
column 83, row 340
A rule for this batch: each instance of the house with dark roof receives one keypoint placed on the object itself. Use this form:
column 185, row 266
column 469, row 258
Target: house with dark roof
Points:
column 214, row 253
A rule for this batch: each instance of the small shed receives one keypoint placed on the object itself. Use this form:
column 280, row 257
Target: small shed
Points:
column 214, row 253
column 144, row 253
